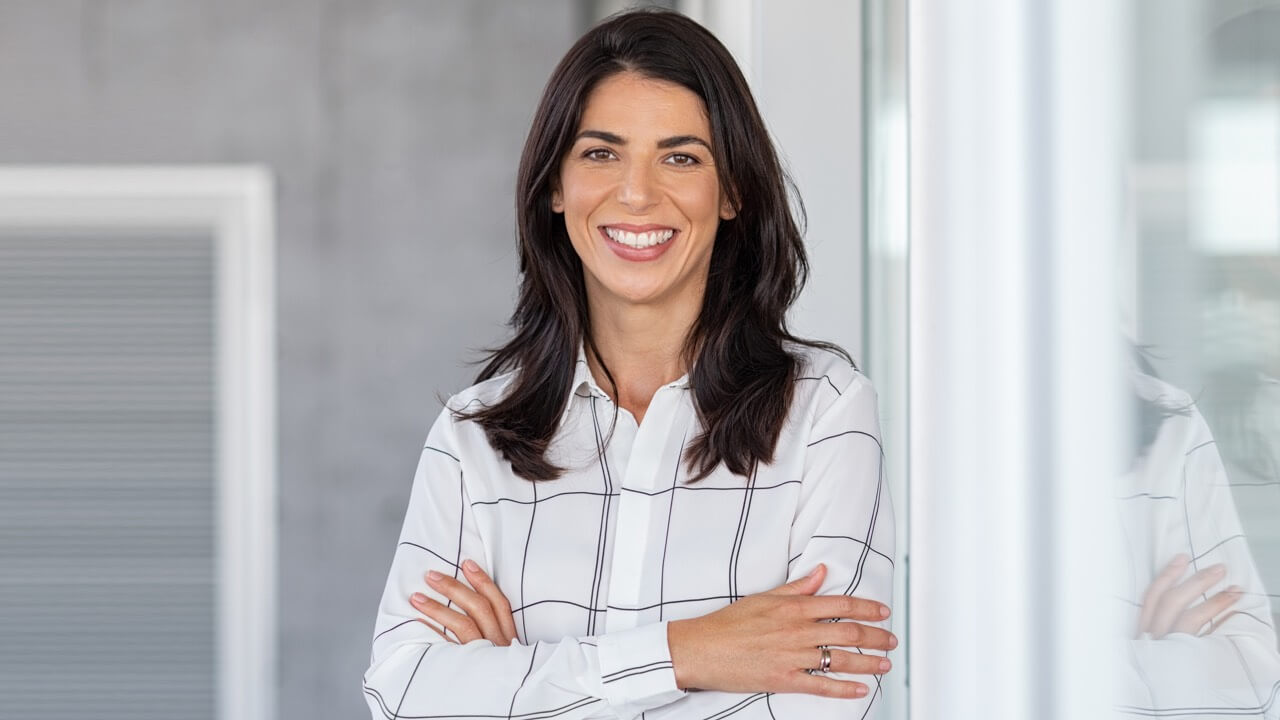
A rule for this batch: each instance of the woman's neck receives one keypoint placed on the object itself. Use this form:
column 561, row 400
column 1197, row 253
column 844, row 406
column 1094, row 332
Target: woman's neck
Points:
column 643, row 346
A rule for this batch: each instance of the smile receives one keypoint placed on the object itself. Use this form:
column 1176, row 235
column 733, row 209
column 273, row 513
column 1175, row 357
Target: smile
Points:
column 639, row 240
column 638, row 243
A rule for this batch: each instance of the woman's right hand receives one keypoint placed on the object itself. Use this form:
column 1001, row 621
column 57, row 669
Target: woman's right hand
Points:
column 765, row 642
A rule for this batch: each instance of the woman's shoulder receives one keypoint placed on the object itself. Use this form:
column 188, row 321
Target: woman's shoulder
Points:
column 485, row 393
column 825, row 373
column 1153, row 389
column 1181, row 421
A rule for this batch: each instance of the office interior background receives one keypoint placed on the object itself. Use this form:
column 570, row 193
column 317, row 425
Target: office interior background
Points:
column 245, row 248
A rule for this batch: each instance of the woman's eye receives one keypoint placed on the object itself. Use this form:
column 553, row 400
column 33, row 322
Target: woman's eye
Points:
column 598, row 154
column 683, row 160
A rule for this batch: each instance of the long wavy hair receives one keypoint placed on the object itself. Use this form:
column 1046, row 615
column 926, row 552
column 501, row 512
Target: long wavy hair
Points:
column 742, row 372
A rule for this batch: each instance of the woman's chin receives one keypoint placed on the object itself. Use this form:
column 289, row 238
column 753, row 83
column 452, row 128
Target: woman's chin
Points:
column 639, row 293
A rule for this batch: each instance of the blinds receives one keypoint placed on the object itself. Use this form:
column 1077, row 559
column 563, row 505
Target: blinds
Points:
column 107, row 468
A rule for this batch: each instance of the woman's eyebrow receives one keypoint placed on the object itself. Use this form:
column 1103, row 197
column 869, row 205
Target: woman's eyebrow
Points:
column 601, row 135
column 679, row 140
column 663, row 144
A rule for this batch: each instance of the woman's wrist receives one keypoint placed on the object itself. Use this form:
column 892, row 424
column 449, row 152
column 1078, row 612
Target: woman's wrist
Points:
column 678, row 643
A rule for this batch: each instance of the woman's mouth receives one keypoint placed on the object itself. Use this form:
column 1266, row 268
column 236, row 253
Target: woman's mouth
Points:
column 638, row 244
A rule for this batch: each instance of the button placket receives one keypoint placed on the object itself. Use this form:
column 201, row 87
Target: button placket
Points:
column 637, row 524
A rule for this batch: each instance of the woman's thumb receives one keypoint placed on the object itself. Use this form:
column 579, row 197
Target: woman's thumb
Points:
column 806, row 585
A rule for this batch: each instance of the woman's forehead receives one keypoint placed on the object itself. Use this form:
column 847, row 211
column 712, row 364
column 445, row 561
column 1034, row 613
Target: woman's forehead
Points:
column 634, row 106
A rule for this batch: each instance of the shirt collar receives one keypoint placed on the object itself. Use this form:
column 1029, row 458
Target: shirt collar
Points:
column 582, row 377
column 584, row 385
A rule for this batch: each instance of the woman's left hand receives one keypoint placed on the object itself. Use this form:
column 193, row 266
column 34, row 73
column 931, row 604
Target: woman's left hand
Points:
column 487, row 612
column 1170, row 606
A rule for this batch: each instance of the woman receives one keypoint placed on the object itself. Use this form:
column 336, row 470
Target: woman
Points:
column 689, row 504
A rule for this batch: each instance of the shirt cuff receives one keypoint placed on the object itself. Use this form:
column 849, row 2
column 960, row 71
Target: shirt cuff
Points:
column 636, row 669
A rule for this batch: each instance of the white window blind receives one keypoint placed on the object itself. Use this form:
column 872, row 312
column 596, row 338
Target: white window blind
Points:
column 107, row 494
column 137, row 443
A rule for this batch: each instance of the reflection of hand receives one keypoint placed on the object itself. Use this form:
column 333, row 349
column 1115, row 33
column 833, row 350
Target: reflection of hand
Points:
column 486, row 614
column 1167, row 605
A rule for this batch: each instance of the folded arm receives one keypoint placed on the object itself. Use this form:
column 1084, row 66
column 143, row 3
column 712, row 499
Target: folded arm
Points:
column 1233, row 668
column 844, row 521
column 414, row 672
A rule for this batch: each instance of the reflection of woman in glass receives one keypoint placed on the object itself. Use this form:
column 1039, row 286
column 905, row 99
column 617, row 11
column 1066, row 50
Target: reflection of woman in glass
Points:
column 1240, row 354
column 1205, row 640
column 655, row 487
column 1204, row 643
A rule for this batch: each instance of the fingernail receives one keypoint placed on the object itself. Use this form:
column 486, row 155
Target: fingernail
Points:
column 884, row 611
column 433, row 575
column 1219, row 569
column 893, row 641
column 860, row 692
column 470, row 565
column 1236, row 589
column 815, row 570
column 419, row 598
column 884, row 665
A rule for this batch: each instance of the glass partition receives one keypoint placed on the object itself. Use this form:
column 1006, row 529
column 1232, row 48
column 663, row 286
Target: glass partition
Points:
column 885, row 280
column 1201, row 297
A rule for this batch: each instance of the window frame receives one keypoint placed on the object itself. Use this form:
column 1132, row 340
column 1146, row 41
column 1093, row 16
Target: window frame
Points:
column 235, row 206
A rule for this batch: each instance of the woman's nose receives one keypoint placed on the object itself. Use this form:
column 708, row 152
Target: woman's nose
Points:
column 637, row 190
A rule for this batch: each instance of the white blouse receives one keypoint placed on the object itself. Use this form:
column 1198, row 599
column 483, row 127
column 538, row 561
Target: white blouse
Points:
column 597, row 562
column 1177, row 499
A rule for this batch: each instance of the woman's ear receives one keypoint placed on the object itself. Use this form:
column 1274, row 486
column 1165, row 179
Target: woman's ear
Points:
column 557, row 201
column 728, row 210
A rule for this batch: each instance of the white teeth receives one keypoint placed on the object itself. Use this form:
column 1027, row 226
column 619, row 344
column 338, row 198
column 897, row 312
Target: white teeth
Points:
column 639, row 240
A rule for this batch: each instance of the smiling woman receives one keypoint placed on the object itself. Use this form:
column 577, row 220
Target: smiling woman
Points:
column 728, row 530
column 653, row 161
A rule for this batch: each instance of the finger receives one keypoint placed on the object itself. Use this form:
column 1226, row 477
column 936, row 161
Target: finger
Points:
column 806, row 585
column 1193, row 620
column 1178, row 598
column 849, row 634
column 844, row 606
column 853, row 663
column 461, row 625
column 481, row 581
column 1165, row 580
column 437, row 630
column 1218, row 623
column 475, row 605
column 822, row 686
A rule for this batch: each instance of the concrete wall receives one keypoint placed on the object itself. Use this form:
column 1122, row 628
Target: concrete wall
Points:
column 394, row 128
column 810, row 93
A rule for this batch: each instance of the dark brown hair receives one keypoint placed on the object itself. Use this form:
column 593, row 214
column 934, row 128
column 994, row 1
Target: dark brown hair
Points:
column 743, row 376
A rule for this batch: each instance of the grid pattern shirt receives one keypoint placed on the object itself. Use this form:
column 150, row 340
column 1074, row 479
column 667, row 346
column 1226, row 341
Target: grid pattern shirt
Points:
column 597, row 562
column 1178, row 499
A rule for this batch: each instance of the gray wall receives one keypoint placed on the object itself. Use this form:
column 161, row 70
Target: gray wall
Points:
column 394, row 129
column 807, row 54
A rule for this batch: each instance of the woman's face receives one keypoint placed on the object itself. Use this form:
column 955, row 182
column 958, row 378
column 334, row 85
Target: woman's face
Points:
column 640, row 194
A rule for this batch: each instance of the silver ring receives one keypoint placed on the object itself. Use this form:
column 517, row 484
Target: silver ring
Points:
column 826, row 660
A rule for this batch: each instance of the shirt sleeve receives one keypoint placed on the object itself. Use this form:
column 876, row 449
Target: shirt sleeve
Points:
column 1234, row 670
column 844, row 520
column 414, row 673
